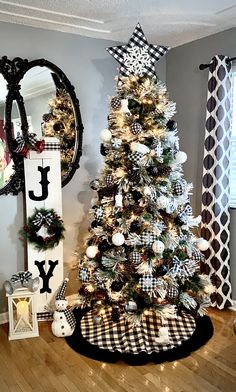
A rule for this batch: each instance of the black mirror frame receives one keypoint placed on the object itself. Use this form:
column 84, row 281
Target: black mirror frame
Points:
column 13, row 71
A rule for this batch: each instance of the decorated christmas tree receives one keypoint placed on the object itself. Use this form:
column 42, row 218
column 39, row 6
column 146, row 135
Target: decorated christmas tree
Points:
column 142, row 259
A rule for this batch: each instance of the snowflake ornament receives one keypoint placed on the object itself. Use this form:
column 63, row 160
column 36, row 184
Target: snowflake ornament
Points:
column 137, row 60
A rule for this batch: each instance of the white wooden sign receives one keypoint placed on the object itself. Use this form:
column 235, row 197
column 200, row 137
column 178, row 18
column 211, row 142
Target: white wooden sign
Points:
column 43, row 190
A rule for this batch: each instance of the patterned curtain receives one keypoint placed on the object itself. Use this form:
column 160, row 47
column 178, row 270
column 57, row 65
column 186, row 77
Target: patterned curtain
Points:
column 215, row 182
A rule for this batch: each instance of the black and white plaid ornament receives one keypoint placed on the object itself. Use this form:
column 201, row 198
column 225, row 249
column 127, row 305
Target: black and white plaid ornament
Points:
column 172, row 292
column 135, row 257
column 138, row 57
column 136, row 157
column 115, row 103
column 136, row 128
column 109, row 180
column 116, row 143
column 147, row 283
column 84, row 274
column 148, row 237
column 178, row 188
column 197, row 257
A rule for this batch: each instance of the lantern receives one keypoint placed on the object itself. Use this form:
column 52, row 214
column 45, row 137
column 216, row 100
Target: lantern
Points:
column 22, row 314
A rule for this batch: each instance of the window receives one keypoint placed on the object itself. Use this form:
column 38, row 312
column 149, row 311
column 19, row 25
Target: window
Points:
column 232, row 179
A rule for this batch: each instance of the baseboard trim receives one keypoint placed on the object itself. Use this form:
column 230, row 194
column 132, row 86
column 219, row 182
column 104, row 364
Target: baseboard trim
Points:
column 4, row 318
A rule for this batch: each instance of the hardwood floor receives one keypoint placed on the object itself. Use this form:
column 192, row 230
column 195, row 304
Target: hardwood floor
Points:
column 49, row 364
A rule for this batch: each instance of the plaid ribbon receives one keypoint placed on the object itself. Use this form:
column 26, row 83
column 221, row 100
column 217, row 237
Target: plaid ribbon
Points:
column 21, row 277
column 148, row 283
column 40, row 219
column 183, row 268
column 148, row 237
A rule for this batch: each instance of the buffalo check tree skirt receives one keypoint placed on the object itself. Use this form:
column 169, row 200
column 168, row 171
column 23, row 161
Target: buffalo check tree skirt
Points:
column 148, row 342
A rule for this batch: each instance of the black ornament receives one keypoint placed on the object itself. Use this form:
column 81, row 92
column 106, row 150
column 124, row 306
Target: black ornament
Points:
column 134, row 175
column 94, row 184
column 94, row 224
column 171, row 125
column 164, row 170
column 162, row 270
column 135, row 226
column 103, row 246
column 136, row 195
column 58, row 126
column 153, row 171
column 178, row 221
column 116, row 286
column 133, row 104
column 103, row 150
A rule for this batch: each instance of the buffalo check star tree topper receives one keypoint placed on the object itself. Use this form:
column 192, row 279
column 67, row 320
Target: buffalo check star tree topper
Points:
column 138, row 57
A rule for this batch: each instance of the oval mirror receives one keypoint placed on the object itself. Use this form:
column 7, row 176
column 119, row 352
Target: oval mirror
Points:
column 47, row 106
column 51, row 112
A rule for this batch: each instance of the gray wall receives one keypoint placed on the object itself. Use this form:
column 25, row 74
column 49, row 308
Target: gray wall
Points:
column 188, row 88
column 91, row 70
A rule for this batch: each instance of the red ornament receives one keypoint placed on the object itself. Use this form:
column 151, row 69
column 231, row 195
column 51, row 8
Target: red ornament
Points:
column 100, row 294
column 24, row 151
column 39, row 146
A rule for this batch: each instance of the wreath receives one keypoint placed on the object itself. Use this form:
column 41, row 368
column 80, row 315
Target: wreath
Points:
column 51, row 221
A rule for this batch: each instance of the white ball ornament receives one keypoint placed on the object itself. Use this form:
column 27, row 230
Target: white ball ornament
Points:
column 91, row 251
column 105, row 135
column 180, row 157
column 147, row 190
column 158, row 247
column 118, row 239
column 139, row 147
column 124, row 106
column 162, row 201
column 202, row 244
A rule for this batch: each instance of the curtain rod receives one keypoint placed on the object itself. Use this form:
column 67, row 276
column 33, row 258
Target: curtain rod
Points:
column 204, row 66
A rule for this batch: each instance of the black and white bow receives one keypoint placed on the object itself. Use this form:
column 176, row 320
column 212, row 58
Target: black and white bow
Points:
column 183, row 268
column 21, row 277
column 22, row 141
column 40, row 219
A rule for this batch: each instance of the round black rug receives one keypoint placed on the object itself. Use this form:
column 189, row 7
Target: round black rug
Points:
column 203, row 332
